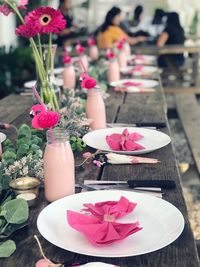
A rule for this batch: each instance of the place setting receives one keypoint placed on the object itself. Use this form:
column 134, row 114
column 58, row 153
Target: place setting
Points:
column 140, row 59
column 135, row 85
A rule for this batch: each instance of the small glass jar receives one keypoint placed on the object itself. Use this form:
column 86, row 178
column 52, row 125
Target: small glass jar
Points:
column 95, row 109
column 59, row 180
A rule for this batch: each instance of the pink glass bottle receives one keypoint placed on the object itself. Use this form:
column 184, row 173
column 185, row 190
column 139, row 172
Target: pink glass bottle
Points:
column 0, row 149
column 127, row 49
column 95, row 109
column 84, row 65
column 93, row 52
column 69, row 76
column 59, row 178
column 113, row 71
column 122, row 60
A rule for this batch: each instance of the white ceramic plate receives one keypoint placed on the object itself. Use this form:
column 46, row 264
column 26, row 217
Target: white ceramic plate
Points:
column 30, row 84
column 146, row 70
column 144, row 83
column 146, row 59
column 161, row 221
column 2, row 137
column 152, row 140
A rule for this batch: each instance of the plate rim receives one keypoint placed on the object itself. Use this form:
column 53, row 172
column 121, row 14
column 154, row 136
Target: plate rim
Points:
column 3, row 136
column 134, row 152
column 74, row 250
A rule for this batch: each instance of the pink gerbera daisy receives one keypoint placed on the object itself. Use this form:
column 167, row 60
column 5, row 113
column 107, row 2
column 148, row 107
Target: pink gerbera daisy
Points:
column 46, row 20
column 26, row 31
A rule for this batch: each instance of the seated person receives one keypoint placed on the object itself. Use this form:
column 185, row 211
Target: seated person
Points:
column 158, row 23
column 172, row 34
column 71, row 28
column 110, row 31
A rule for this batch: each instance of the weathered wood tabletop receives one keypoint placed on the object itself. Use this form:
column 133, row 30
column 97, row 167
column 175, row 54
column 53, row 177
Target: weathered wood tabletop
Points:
column 127, row 109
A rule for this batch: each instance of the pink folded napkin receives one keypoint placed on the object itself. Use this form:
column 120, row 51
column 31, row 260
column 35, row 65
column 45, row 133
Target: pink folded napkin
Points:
column 116, row 209
column 137, row 68
column 101, row 227
column 139, row 57
column 124, row 141
column 129, row 83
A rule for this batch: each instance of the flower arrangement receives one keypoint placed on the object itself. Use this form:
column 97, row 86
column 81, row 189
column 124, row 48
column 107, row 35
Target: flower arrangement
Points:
column 40, row 21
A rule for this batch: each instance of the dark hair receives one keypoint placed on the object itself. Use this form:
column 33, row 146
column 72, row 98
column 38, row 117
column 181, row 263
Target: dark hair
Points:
column 158, row 15
column 113, row 12
column 136, row 14
column 173, row 19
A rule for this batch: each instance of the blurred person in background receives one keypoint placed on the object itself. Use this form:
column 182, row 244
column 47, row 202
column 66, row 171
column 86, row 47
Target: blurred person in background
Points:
column 110, row 31
column 171, row 35
column 137, row 16
column 71, row 28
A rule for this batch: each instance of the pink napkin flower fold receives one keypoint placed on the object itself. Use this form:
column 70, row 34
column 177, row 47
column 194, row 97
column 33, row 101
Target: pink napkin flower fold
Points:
column 139, row 57
column 129, row 83
column 98, row 232
column 124, row 141
column 101, row 227
column 115, row 209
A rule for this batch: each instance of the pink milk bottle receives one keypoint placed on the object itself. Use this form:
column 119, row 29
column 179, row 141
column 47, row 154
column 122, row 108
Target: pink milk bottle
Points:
column 122, row 60
column 59, row 178
column 127, row 48
column 0, row 149
column 83, row 63
column 69, row 76
column 95, row 109
column 93, row 52
column 113, row 71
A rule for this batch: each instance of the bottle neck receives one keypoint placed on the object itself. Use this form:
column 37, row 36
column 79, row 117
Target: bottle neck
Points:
column 55, row 136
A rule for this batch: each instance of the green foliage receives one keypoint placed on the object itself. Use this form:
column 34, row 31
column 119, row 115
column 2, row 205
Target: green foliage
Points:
column 7, row 248
column 77, row 143
column 15, row 63
column 13, row 216
column 27, row 143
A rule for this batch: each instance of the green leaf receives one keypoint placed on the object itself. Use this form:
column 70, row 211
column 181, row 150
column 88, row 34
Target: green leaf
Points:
column 7, row 248
column 9, row 157
column 11, row 228
column 25, row 131
column 15, row 211
column 4, row 182
column 22, row 151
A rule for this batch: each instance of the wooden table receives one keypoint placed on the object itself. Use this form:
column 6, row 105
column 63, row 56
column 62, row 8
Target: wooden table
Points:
column 127, row 109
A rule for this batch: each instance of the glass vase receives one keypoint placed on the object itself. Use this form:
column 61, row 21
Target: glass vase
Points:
column 46, row 82
column 59, row 180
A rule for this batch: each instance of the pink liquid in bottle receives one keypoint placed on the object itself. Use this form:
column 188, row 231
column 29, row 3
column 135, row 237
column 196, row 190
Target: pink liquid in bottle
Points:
column 59, row 180
column 0, row 149
column 127, row 49
column 113, row 71
column 69, row 77
column 95, row 109
column 84, row 60
column 93, row 52
column 122, row 59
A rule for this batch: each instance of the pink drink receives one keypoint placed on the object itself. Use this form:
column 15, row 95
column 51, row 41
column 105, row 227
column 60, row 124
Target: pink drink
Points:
column 113, row 71
column 84, row 60
column 59, row 178
column 127, row 49
column 69, row 77
column 93, row 52
column 122, row 60
column 95, row 109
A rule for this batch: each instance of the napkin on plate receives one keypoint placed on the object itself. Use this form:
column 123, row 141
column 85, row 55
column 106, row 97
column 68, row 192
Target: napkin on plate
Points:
column 124, row 141
column 101, row 228
column 116, row 209
column 137, row 68
column 129, row 83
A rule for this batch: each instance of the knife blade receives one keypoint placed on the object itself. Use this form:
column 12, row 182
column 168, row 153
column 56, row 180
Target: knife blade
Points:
column 95, row 187
column 165, row 184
